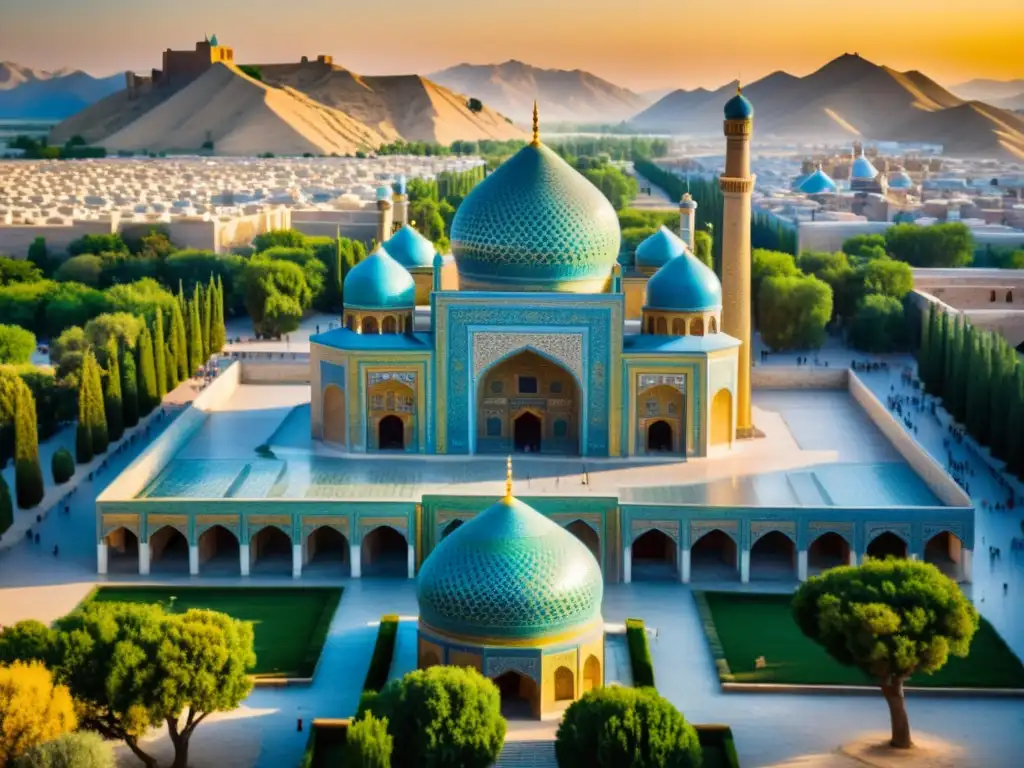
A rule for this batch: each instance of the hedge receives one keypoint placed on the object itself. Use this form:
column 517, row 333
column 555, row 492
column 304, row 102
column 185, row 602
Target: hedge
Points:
column 718, row 746
column 62, row 464
column 325, row 744
column 383, row 652
column 639, row 653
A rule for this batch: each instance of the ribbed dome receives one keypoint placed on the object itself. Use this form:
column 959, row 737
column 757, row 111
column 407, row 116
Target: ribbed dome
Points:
column 862, row 169
column 379, row 282
column 817, row 183
column 658, row 248
column 535, row 224
column 509, row 573
column 409, row 248
column 738, row 108
column 684, row 285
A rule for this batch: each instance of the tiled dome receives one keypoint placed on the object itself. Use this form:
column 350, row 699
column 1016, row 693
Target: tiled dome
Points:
column 818, row 183
column 409, row 248
column 862, row 169
column 658, row 248
column 684, row 284
column 379, row 282
column 738, row 107
column 535, row 224
column 509, row 573
column 900, row 180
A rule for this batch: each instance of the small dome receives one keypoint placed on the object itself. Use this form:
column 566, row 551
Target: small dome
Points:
column 383, row 193
column 684, row 284
column 818, row 183
column 510, row 573
column 739, row 107
column 900, row 180
column 658, row 248
column 379, row 282
column 409, row 248
column 862, row 169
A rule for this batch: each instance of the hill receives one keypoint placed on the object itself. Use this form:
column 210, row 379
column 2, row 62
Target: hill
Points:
column 989, row 90
column 35, row 94
column 562, row 95
column 847, row 98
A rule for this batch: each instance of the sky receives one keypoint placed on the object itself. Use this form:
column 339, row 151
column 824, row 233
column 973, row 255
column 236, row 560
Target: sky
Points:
column 640, row 44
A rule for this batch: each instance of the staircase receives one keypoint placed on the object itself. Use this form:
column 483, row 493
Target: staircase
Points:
column 527, row 754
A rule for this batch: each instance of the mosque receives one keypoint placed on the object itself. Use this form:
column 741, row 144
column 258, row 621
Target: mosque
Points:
column 530, row 352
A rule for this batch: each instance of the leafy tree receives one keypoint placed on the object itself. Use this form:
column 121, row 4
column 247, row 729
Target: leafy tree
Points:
column 279, row 238
column 122, row 327
column 887, row 277
column 62, row 466
column 39, row 255
column 159, row 356
column 32, row 709
column 97, row 244
column 865, row 246
column 148, row 392
column 28, row 476
column 313, row 269
column 113, row 404
column 18, row 271
column 878, row 325
column 614, row 726
column 55, row 400
column 178, row 344
column 71, row 340
column 767, row 264
column 189, row 267
column 794, row 312
column 834, row 269
column 368, row 743
column 6, row 507
column 703, row 245
column 891, row 619
column 69, row 750
column 426, row 217
column 195, row 335
column 276, row 294
column 155, row 244
column 16, row 344
column 85, row 269
column 443, row 716
column 119, row 268
column 68, row 304
column 141, row 298
column 129, row 388
column 938, row 245
column 9, row 386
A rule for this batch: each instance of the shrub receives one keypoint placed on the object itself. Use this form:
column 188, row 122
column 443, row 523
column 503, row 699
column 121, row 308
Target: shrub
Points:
column 62, row 464
column 84, row 269
column 612, row 727
column 639, row 653
column 32, row 709
column 368, row 745
column 16, row 344
column 443, row 716
column 718, row 746
column 70, row 750
column 383, row 652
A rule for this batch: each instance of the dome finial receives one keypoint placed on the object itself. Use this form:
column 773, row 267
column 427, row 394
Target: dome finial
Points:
column 508, row 478
column 739, row 87
column 536, row 133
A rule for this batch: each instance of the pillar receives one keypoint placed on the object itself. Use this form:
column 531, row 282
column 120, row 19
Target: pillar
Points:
column 801, row 565
column 684, row 570
column 411, row 562
column 853, row 557
column 687, row 220
column 384, row 220
column 144, row 554
column 966, row 565
column 193, row 560
column 356, row 553
column 243, row 559
column 745, row 566
column 101, row 558
column 296, row 561
column 627, row 564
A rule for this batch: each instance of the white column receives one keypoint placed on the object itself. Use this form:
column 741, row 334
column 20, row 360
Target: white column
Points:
column 627, row 564
column 193, row 560
column 144, row 554
column 853, row 557
column 412, row 562
column 745, row 566
column 296, row 561
column 966, row 565
column 357, row 556
column 101, row 559
column 684, row 571
column 801, row 565
column 243, row 558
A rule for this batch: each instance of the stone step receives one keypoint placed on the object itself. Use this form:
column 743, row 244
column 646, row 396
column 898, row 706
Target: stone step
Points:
column 527, row 754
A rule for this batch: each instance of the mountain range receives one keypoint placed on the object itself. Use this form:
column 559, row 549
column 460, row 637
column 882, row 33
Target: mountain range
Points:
column 37, row 94
column 850, row 97
column 562, row 95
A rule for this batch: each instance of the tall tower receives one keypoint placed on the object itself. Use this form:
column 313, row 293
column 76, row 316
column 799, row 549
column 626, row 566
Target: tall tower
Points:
column 737, row 184
column 687, row 217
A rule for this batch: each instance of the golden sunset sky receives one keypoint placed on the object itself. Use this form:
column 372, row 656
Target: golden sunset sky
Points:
column 642, row 44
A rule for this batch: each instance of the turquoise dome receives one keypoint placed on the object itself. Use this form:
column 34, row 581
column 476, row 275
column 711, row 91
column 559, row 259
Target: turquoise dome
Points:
column 535, row 224
column 739, row 107
column 658, row 248
column 684, row 285
column 817, row 183
column 409, row 248
column 862, row 169
column 509, row 573
column 379, row 282
column 901, row 181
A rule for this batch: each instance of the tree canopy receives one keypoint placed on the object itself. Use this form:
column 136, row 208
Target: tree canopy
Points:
column 16, row 345
column 276, row 294
column 32, row 709
column 793, row 312
column 878, row 325
column 938, row 245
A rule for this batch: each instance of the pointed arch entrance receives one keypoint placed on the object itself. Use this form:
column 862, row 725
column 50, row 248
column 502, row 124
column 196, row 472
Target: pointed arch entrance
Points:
column 391, row 434
column 327, row 552
column 773, row 558
column 654, row 557
column 527, row 433
column 270, row 551
column 219, row 552
column 384, row 552
column 661, row 416
column 122, row 551
column 592, row 674
column 713, row 557
column 829, row 550
column 659, row 436
column 588, row 536
column 887, row 544
column 518, row 695
column 168, row 551
column 944, row 550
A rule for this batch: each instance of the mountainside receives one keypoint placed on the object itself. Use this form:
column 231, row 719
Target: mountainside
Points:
column 848, row 98
column 989, row 90
column 27, row 93
column 1014, row 102
column 562, row 95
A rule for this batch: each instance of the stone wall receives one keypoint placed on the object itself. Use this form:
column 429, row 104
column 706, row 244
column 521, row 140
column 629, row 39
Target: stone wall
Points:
column 275, row 371
column 797, row 377
column 15, row 239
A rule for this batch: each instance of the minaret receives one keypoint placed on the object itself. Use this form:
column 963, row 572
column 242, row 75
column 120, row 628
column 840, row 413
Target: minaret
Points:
column 386, row 213
column 737, row 184
column 687, row 219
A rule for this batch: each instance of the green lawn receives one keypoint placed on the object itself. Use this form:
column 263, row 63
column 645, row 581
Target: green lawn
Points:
column 753, row 625
column 290, row 624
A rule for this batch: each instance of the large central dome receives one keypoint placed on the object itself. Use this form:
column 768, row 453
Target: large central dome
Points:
column 535, row 224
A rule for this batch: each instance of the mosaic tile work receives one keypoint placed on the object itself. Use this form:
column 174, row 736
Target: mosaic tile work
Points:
column 195, row 479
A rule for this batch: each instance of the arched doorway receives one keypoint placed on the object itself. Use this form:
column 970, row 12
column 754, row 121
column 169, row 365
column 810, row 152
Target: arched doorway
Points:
column 713, row 557
column 944, row 550
column 588, row 536
column 518, row 695
column 829, row 550
column 721, row 418
column 270, row 551
column 659, row 437
column 327, row 552
column 527, row 433
column 565, row 684
column 887, row 544
column 370, row 325
column 334, row 414
column 773, row 558
column 391, row 434
column 122, row 551
column 527, row 402
column 591, row 674
column 168, row 551
column 451, row 528
column 219, row 552
column 384, row 552
column 654, row 557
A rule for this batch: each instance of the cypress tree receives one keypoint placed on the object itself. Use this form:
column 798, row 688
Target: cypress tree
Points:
column 148, row 392
column 28, row 475
column 179, row 344
column 6, row 507
column 97, row 415
column 924, row 352
column 218, row 332
column 160, row 356
column 958, row 405
column 83, row 433
column 978, row 389
column 943, row 346
column 181, row 298
column 1015, row 426
column 195, row 338
column 129, row 387
column 113, row 403
column 952, row 360
column 206, row 313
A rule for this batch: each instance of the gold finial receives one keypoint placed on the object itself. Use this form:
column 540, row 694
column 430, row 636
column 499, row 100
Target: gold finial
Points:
column 508, row 478
column 739, row 88
column 536, row 136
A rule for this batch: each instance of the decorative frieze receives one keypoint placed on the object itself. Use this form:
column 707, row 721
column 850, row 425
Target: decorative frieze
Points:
column 529, row 666
column 566, row 348
column 367, row 524
column 699, row 528
column 669, row 527
column 646, row 381
column 761, row 528
column 337, row 522
column 130, row 522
